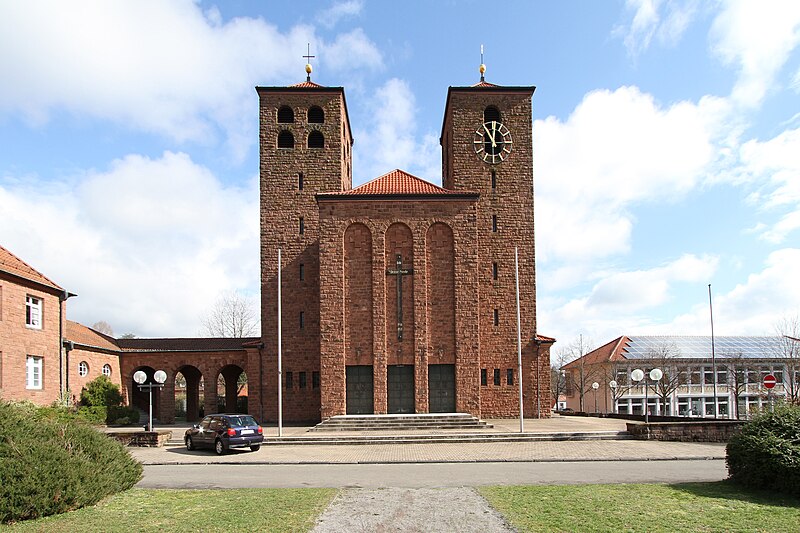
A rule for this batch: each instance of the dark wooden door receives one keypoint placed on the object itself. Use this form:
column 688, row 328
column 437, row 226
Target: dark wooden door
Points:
column 442, row 388
column 400, row 389
column 359, row 390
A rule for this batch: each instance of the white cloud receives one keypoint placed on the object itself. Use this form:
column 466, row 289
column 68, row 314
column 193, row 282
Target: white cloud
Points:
column 339, row 10
column 162, row 67
column 615, row 150
column 391, row 140
column 648, row 22
column 147, row 244
column 757, row 37
column 353, row 51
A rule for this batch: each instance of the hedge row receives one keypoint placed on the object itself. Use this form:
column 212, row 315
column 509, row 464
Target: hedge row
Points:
column 52, row 462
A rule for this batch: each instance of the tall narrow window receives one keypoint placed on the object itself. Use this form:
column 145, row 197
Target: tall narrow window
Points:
column 302, row 225
column 302, row 319
column 510, row 376
column 300, row 181
column 33, row 312
column 302, row 380
column 497, row 376
column 494, row 223
column 494, row 271
column 315, row 380
column 494, row 179
column 496, row 317
column 285, row 139
column 289, row 381
column 302, row 272
column 484, row 381
column 33, row 372
column 316, row 140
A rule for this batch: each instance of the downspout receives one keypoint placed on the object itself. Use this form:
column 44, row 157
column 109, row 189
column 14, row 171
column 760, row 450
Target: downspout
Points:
column 62, row 298
column 261, row 382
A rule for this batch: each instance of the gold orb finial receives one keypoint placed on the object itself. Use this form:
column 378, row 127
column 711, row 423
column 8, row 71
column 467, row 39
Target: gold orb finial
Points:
column 308, row 68
column 482, row 68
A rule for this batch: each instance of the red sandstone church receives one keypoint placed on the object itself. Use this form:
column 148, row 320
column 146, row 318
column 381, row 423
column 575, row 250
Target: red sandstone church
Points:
column 398, row 296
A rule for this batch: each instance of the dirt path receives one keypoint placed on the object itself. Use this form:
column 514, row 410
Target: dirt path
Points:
column 425, row 510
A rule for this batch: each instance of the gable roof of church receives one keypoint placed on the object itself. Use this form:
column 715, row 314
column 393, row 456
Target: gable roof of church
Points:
column 15, row 266
column 398, row 184
column 90, row 338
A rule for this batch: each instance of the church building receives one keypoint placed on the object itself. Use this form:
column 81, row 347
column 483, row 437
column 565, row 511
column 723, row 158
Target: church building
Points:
column 399, row 295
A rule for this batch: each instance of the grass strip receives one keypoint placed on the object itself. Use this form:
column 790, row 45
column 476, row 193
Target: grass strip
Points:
column 193, row 510
column 719, row 506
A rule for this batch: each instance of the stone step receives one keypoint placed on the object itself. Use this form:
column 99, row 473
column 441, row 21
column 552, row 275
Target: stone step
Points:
column 423, row 421
column 447, row 438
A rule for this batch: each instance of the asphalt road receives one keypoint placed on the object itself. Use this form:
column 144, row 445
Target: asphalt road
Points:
column 429, row 475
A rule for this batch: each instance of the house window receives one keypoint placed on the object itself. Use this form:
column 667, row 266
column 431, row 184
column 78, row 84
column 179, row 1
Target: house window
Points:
column 302, row 319
column 107, row 371
column 494, row 223
column 497, row 376
column 289, row 381
column 285, row 115
column 510, row 376
column 302, row 225
column 316, row 140
column 302, row 272
column 285, row 139
column 496, row 317
column 302, row 380
column 33, row 372
column 33, row 312
column 490, row 114
column 483, row 377
column 300, row 181
column 494, row 179
column 494, row 271
column 316, row 115
column 83, row 369
column 315, row 380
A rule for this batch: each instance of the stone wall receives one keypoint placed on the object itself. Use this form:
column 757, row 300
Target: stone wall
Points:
column 692, row 431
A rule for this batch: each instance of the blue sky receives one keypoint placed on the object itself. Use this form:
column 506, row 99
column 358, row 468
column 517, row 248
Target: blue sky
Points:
column 666, row 146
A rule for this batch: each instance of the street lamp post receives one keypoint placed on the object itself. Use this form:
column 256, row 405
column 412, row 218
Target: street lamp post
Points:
column 595, row 386
column 613, row 385
column 140, row 377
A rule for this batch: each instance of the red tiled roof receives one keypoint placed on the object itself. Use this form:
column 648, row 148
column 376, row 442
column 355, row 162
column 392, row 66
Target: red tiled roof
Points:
column 611, row 351
column 80, row 334
column 306, row 85
column 14, row 265
column 192, row 344
column 485, row 84
column 398, row 182
column 543, row 338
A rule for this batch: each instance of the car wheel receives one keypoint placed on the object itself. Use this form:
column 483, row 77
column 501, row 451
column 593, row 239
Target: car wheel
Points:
column 189, row 444
column 219, row 447
column 255, row 447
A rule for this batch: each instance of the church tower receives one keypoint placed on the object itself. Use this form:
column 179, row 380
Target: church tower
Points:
column 487, row 147
column 305, row 148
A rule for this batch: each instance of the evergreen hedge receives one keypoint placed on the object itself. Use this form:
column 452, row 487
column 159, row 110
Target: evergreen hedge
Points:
column 52, row 462
column 766, row 454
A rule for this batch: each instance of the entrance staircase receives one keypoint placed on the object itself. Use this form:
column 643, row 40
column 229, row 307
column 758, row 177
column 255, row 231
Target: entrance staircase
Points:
column 410, row 422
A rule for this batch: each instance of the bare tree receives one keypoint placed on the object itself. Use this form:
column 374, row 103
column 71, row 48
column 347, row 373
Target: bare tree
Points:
column 103, row 327
column 665, row 356
column 558, row 380
column 788, row 350
column 738, row 369
column 233, row 315
column 584, row 373
column 127, row 336
column 618, row 371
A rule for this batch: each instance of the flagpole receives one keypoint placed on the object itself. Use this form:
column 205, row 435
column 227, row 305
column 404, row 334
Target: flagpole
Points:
column 280, row 371
column 713, row 352
column 519, row 343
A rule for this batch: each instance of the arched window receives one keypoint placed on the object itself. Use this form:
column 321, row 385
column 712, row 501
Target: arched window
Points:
column 83, row 368
column 316, row 115
column 285, row 139
column 491, row 114
column 107, row 371
column 316, row 140
column 285, row 115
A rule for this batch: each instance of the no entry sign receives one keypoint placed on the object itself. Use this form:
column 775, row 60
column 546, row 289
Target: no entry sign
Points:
column 769, row 381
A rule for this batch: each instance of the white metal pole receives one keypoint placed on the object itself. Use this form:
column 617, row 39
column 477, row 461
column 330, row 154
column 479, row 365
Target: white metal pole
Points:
column 713, row 351
column 519, row 343
column 150, row 427
column 280, row 370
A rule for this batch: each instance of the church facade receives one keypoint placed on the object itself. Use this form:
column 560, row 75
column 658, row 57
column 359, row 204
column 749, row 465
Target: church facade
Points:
column 398, row 296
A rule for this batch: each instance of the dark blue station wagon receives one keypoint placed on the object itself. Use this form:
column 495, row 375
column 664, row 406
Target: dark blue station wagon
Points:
column 224, row 431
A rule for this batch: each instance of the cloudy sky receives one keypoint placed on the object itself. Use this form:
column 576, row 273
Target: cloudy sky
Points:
column 666, row 146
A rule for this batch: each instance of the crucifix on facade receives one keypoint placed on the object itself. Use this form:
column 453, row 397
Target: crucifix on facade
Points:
column 399, row 271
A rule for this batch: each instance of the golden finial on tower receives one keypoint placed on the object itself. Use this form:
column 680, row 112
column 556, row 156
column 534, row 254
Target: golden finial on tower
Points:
column 482, row 68
column 308, row 56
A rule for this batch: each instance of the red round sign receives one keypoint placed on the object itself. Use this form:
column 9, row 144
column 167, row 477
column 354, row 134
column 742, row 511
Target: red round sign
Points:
column 769, row 381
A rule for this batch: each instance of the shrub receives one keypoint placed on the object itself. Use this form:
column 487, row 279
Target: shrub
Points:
column 122, row 415
column 766, row 454
column 52, row 462
column 101, row 392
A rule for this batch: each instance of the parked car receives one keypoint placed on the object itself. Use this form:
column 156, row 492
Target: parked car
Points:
column 224, row 431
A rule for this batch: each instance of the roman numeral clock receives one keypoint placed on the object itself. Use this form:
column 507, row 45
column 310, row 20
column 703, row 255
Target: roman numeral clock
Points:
column 492, row 142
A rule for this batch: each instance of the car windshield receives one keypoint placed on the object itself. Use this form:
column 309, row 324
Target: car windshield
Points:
column 243, row 420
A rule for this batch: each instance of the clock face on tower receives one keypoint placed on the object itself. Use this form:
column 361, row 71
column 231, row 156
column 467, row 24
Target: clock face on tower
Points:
column 492, row 142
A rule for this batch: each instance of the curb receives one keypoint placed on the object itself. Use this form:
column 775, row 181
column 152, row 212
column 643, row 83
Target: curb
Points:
column 432, row 461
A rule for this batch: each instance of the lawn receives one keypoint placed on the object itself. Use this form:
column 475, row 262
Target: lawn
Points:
column 193, row 510
column 719, row 506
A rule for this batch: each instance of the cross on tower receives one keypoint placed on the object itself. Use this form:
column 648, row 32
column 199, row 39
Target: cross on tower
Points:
column 399, row 272
column 308, row 58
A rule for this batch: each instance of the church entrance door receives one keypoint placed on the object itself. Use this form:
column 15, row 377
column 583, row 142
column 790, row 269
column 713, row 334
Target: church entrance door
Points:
column 400, row 389
column 442, row 388
column 359, row 390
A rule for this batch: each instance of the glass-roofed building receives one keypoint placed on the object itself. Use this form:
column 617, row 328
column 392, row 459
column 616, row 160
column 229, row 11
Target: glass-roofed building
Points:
column 698, row 378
